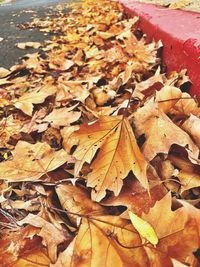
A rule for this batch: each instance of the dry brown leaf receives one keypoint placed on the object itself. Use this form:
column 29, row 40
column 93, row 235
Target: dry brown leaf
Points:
column 32, row 161
column 135, row 197
column 62, row 117
column 26, row 101
column 71, row 90
column 86, row 76
column 106, row 233
column 189, row 239
column 32, row 258
column 192, row 127
column 4, row 72
column 170, row 228
column 147, row 87
column 25, row 45
column 9, row 127
column 188, row 180
column 119, row 154
column 90, row 137
column 186, row 106
column 77, row 200
column 51, row 236
column 160, row 132
column 66, row 132
column 167, row 97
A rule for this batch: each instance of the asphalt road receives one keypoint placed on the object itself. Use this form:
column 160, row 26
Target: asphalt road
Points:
column 22, row 11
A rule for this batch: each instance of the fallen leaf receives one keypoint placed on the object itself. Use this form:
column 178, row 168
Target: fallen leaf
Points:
column 35, row 258
column 188, row 180
column 135, row 197
column 108, row 233
column 90, row 137
column 62, row 117
column 32, row 161
column 26, row 101
column 9, row 127
column 185, row 106
column 4, row 72
column 167, row 97
column 180, row 4
column 77, row 201
column 156, row 212
column 25, row 45
column 51, row 236
column 119, row 154
column 143, row 228
column 192, row 127
column 160, row 132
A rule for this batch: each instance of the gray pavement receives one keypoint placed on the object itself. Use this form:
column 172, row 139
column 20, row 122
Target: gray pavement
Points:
column 22, row 11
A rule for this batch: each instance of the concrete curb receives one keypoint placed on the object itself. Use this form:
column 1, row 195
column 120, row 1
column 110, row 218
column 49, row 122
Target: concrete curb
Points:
column 179, row 31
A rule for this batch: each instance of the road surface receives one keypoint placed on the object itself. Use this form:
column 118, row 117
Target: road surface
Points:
column 18, row 12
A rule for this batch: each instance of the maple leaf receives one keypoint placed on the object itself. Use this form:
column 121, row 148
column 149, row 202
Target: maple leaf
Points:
column 156, row 211
column 119, row 154
column 92, row 66
column 177, row 240
column 145, row 88
column 160, row 132
column 21, row 247
column 107, row 233
column 188, row 241
column 32, row 161
column 90, row 137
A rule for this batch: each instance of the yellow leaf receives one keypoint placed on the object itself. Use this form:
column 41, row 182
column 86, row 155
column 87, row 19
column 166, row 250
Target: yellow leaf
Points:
column 143, row 228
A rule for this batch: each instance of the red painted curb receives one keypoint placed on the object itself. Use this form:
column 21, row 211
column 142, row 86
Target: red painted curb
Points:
column 179, row 31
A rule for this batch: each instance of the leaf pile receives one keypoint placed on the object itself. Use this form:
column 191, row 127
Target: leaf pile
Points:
column 99, row 149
